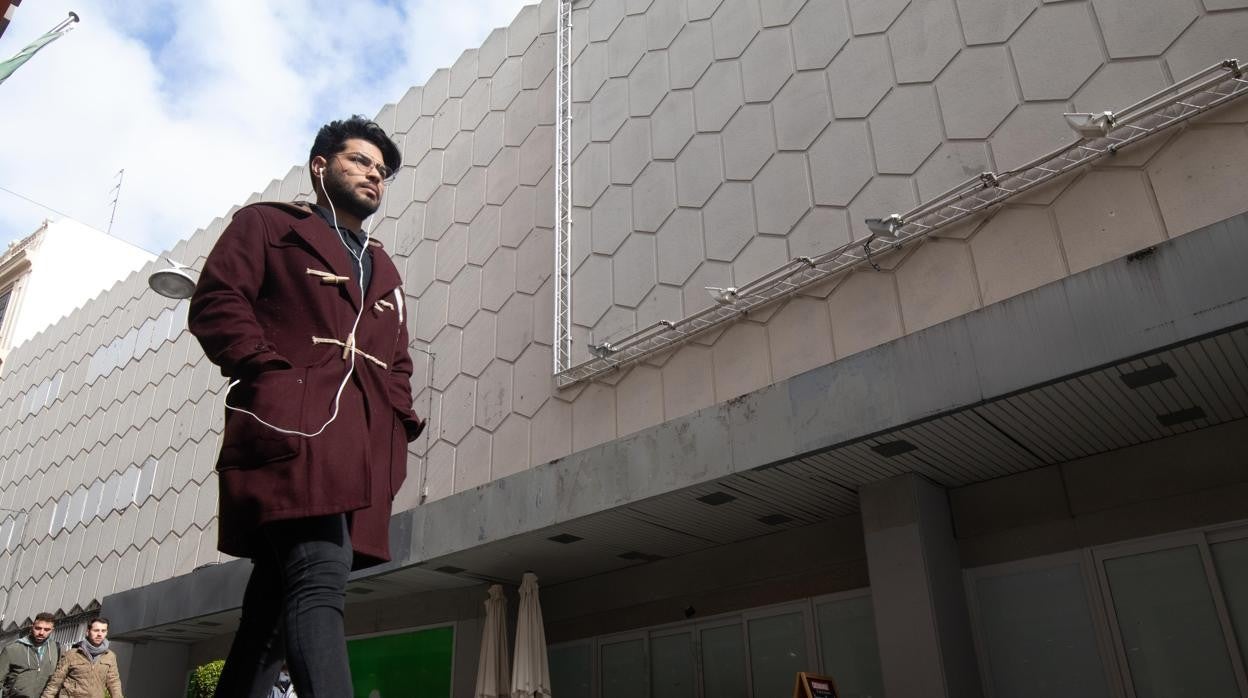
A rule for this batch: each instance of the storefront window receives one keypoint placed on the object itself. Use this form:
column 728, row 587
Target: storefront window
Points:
column 624, row 672
column 571, row 670
column 848, row 646
column 1171, row 636
column 1231, row 559
column 777, row 653
column 1037, row 634
column 723, row 662
column 672, row 672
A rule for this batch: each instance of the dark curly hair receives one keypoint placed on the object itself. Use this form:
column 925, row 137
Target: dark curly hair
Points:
column 332, row 138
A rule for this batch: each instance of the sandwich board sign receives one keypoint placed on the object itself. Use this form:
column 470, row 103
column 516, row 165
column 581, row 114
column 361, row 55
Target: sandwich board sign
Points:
column 810, row 685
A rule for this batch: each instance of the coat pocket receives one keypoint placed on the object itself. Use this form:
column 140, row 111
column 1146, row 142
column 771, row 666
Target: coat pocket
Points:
column 398, row 455
column 277, row 398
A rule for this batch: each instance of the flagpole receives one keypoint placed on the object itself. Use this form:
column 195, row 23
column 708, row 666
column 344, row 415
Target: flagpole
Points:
column 10, row 66
column 71, row 19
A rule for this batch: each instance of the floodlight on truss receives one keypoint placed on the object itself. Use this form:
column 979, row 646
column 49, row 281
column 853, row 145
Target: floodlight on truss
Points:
column 885, row 229
column 726, row 296
column 602, row 349
column 1209, row 88
column 1091, row 125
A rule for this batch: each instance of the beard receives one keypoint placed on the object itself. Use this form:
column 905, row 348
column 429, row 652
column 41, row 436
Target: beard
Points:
column 342, row 192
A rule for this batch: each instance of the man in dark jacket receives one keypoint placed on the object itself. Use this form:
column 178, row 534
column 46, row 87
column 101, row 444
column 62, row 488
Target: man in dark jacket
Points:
column 28, row 662
column 305, row 315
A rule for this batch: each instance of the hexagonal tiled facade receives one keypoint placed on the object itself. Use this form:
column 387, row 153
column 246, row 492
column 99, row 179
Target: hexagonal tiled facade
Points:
column 860, row 76
column 924, row 39
column 1104, row 216
column 992, row 21
column 735, row 24
column 699, row 170
column 717, row 96
column 766, row 65
column 689, row 55
column 840, row 162
column 905, row 129
column 819, row 30
column 749, row 140
column 873, row 16
column 1055, row 51
column 781, row 193
column 976, row 92
column 1142, row 27
column 728, row 221
column 801, row 110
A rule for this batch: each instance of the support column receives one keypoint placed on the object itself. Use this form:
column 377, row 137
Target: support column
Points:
column 921, row 616
column 152, row 669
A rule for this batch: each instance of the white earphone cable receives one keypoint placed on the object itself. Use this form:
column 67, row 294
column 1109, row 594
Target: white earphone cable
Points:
column 359, row 258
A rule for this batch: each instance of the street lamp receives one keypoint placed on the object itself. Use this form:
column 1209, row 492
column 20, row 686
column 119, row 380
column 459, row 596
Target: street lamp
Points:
column 173, row 281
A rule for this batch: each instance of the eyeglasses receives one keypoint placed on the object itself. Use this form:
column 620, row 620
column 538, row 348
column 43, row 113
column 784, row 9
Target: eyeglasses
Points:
column 359, row 163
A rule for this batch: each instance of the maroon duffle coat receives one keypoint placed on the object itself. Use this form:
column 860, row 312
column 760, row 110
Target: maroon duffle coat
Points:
column 265, row 292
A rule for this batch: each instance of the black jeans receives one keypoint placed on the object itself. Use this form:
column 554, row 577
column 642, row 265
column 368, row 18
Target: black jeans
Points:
column 296, row 593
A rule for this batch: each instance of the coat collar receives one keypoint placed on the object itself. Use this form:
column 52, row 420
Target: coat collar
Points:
column 324, row 243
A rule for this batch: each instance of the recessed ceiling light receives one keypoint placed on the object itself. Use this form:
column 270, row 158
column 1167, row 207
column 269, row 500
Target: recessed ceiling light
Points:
column 1189, row 414
column 449, row 569
column 890, row 449
column 716, row 498
column 774, row 519
column 565, row 538
column 1147, row 376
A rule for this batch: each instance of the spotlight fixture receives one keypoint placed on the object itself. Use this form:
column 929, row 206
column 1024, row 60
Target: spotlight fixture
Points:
column 725, row 296
column 172, row 282
column 885, row 228
column 601, row 350
column 1090, row 125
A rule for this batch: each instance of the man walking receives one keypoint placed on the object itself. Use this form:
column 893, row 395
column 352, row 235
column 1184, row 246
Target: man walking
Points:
column 283, row 688
column 28, row 662
column 88, row 669
column 303, row 311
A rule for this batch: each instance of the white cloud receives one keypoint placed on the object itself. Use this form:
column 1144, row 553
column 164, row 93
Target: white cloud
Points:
column 202, row 103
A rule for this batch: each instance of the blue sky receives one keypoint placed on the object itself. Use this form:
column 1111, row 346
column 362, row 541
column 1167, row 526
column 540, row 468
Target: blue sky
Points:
column 202, row 103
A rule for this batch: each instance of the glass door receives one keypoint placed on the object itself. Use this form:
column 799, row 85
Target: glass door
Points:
column 779, row 640
column 721, row 654
column 1169, row 618
column 1036, row 631
column 848, row 648
column 624, row 669
column 673, row 664
column 572, row 669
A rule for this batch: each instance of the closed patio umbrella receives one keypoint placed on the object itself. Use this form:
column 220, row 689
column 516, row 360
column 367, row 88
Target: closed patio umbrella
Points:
column 530, row 677
column 493, row 668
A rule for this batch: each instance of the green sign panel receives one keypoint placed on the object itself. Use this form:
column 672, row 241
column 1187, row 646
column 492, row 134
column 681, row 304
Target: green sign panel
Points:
column 405, row 665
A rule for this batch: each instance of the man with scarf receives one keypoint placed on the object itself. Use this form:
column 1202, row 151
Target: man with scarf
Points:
column 26, row 664
column 88, row 669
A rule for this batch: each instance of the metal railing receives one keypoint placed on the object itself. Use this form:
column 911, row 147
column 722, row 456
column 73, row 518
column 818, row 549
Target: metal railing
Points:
column 1205, row 90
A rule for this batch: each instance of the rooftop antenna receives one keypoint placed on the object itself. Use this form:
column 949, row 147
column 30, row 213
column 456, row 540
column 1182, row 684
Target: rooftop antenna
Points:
column 116, row 192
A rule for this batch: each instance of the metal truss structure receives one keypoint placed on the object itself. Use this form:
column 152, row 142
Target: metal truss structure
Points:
column 1101, row 135
column 563, row 186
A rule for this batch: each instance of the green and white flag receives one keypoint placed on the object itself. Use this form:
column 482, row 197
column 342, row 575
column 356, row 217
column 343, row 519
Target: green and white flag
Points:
column 10, row 66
